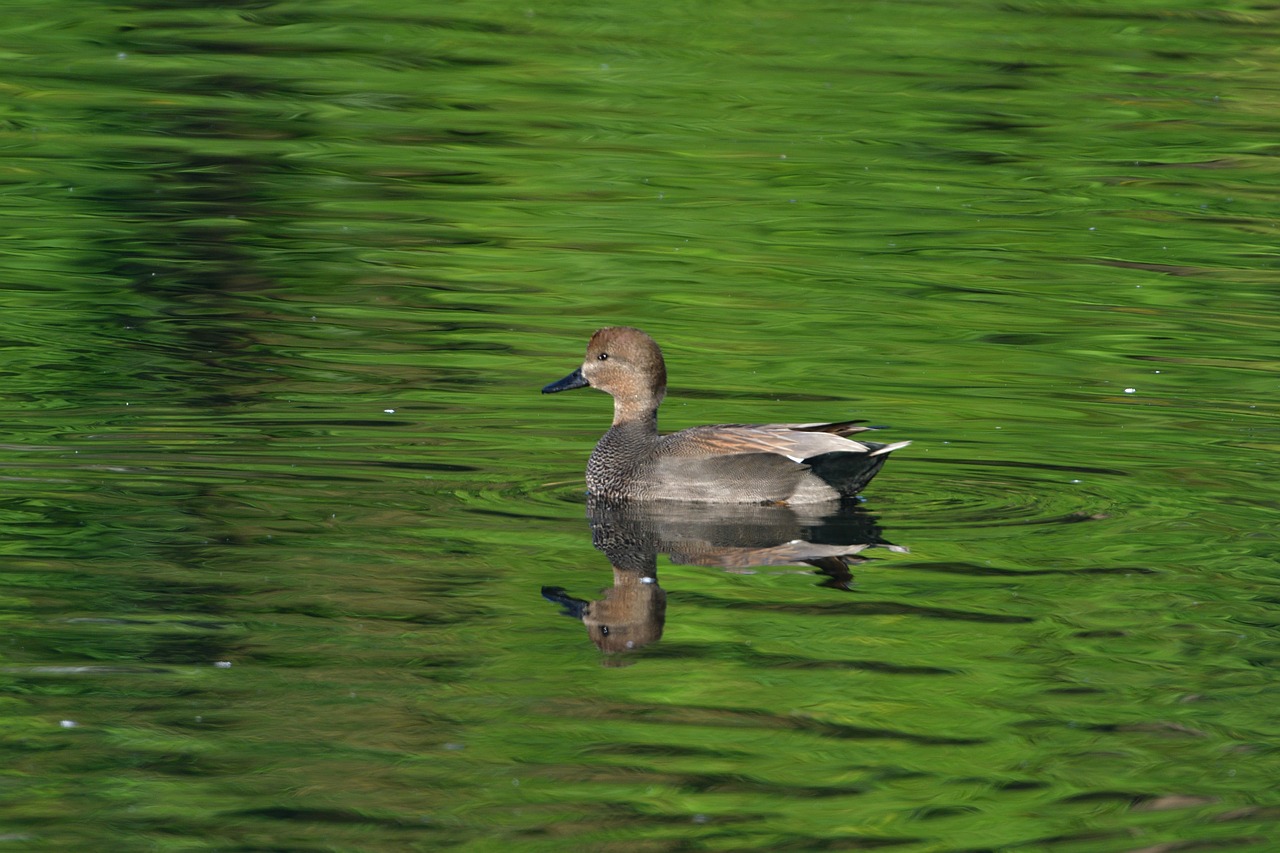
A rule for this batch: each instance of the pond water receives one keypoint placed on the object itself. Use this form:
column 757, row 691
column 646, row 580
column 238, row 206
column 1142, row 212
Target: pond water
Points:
column 296, row 557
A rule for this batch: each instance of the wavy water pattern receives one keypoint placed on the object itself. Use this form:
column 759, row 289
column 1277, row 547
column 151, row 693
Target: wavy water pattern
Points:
column 296, row 557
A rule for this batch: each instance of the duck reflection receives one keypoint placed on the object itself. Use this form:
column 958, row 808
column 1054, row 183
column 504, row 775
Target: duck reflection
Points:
column 632, row 612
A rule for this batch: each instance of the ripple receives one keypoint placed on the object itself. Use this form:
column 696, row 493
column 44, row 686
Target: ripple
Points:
column 524, row 500
column 969, row 493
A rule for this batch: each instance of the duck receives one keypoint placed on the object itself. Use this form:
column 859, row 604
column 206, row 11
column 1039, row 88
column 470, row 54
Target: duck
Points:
column 785, row 464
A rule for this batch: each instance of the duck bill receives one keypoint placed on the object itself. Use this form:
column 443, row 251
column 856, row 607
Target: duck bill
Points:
column 573, row 380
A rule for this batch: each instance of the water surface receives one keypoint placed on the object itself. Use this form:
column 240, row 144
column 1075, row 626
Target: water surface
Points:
column 283, row 510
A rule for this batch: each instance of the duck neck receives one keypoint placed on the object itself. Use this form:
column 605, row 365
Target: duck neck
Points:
column 640, row 414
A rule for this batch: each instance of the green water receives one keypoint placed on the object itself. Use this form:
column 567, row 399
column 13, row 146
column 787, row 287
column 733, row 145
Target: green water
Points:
column 283, row 510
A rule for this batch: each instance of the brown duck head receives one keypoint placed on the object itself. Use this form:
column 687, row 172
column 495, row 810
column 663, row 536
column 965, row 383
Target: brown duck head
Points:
column 625, row 363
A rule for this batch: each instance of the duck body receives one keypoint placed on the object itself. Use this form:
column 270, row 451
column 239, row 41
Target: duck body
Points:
column 723, row 463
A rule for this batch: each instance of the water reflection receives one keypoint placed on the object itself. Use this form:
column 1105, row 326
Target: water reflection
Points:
column 631, row 613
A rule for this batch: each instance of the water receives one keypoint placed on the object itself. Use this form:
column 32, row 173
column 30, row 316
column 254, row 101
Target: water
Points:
column 297, row 558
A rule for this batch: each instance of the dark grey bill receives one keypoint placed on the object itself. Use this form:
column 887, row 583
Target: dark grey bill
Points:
column 573, row 380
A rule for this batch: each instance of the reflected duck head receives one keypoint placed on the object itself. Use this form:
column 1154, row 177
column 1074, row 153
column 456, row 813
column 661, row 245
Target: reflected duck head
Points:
column 623, row 362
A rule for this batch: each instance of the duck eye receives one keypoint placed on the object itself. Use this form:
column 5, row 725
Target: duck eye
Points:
column 604, row 356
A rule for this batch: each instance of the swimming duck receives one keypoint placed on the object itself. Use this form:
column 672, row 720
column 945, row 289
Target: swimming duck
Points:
column 724, row 463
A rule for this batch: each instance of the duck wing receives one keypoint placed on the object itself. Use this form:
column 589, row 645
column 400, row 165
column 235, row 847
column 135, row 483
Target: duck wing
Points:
column 796, row 442
column 836, row 427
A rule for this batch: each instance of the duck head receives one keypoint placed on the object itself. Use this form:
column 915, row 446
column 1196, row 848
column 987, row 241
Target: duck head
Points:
column 623, row 362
